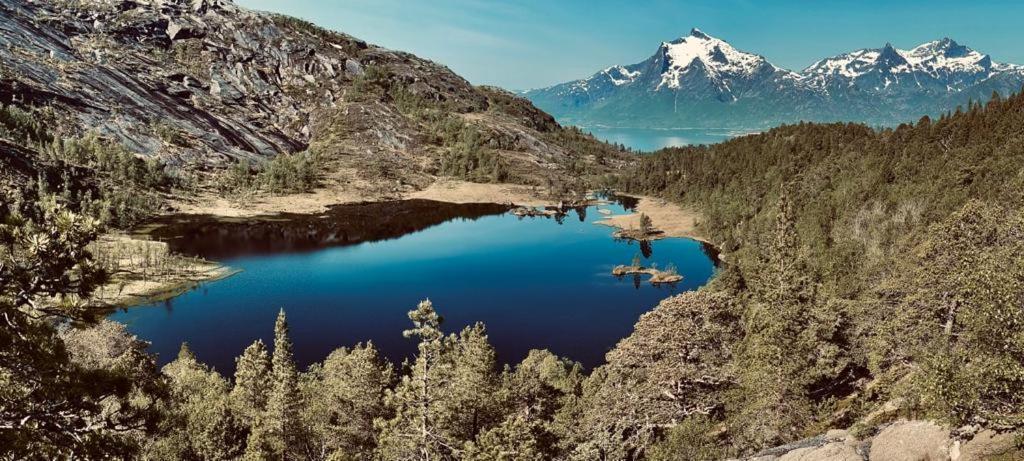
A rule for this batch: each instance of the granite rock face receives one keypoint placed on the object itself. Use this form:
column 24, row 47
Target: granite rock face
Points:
column 204, row 83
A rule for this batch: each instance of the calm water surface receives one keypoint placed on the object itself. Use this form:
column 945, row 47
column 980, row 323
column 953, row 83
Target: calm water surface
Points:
column 649, row 140
column 352, row 275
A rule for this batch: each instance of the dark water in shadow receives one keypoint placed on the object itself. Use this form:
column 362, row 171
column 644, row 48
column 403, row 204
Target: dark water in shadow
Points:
column 352, row 274
column 219, row 238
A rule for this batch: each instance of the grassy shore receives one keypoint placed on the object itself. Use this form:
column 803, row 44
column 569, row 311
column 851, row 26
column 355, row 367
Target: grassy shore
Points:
column 145, row 271
column 667, row 219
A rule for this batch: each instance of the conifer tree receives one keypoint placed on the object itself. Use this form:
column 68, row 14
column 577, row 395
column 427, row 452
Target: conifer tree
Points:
column 343, row 397
column 470, row 406
column 774, row 366
column 285, row 403
column 51, row 407
column 515, row 439
column 253, row 382
column 413, row 433
column 258, row 445
column 199, row 421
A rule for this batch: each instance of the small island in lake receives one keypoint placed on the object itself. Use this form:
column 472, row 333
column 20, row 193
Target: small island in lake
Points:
column 669, row 275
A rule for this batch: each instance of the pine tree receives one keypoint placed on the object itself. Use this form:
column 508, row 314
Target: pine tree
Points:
column 259, row 445
column 50, row 406
column 253, row 382
column 774, row 366
column 199, row 423
column 469, row 405
column 343, row 397
column 413, row 432
column 285, row 403
column 515, row 439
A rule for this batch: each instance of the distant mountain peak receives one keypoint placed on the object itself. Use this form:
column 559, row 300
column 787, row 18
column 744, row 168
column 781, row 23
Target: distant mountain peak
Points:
column 697, row 33
column 716, row 58
column 890, row 57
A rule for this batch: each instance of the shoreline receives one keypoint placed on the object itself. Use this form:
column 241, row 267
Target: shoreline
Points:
column 320, row 200
column 670, row 219
column 146, row 272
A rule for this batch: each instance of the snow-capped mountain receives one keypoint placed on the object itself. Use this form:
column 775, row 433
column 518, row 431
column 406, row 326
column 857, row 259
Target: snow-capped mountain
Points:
column 942, row 65
column 702, row 81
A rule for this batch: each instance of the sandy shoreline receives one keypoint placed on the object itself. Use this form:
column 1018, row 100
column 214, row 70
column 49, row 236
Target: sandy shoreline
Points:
column 145, row 271
column 442, row 190
column 671, row 219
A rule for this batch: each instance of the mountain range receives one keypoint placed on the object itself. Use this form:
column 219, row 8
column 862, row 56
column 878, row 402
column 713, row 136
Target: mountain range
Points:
column 699, row 81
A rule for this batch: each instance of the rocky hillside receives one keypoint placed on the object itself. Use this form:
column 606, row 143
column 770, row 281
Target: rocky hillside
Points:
column 202, row 84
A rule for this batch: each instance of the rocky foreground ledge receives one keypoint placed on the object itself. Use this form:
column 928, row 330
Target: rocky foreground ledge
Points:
column 899, row 441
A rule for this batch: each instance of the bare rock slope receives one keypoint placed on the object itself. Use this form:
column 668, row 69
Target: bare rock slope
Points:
column 202, row 83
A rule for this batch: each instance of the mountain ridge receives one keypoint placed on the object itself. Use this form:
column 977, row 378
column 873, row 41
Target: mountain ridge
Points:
column 206, row 84
column 879, row 86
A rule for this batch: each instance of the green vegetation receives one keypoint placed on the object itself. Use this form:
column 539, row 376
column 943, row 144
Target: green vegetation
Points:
column 64, row 394
column 285, row 173
column 470, row 149
column 98, row 178
column 864, row 267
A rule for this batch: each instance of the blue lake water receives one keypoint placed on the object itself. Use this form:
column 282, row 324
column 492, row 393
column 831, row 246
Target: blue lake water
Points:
column 352, row 276
column 649, row 139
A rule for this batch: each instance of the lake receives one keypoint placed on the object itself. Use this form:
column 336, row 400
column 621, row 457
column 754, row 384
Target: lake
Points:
column 352, row 274
column 649, row 139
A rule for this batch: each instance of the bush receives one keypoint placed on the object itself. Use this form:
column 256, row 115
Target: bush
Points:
column 290, row 173
column 284, row 173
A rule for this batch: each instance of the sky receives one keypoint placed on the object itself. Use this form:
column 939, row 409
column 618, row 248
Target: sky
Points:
column 528, row 44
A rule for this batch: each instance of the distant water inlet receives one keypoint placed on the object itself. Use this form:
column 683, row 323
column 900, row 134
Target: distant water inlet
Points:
column 351, row 274
column 652, row 139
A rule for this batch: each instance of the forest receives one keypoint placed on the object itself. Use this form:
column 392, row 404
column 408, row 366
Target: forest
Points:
column 862, row 267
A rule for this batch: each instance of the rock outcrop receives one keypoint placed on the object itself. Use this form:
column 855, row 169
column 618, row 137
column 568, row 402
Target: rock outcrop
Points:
column 203, row 83
column 900, row 441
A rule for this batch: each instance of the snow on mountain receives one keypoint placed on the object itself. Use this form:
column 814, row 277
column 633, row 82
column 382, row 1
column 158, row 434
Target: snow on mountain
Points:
column 700, row 80
column 718, row 57
column 942, row 63
column 620, row 75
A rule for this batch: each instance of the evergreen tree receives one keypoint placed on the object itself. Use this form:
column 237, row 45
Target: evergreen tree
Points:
column 259, row 445
column 253, row 382
column 469, row 405
column 285, row 404
column 50, row 406
column 965, row 308
column 343, row 398
column 199, row 423
column 413, row 433
column 515, row 439
column 774, row 361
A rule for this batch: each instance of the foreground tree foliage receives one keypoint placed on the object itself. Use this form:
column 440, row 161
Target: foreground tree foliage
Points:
column 63, row 394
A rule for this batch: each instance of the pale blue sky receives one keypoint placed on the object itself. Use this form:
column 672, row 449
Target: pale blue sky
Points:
column 534, row 43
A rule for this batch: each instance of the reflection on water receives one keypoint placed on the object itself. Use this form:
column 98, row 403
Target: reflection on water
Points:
column 218, row 238
column 351, row 274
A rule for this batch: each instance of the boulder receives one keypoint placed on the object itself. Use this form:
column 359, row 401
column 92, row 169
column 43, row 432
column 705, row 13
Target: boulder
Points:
column 987, row 445
column 180, row 30
column 912, row 441
column 353, row 67
column 834, row 451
